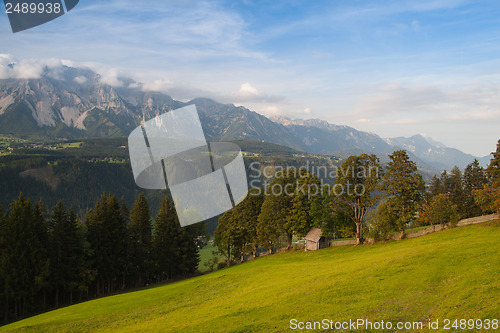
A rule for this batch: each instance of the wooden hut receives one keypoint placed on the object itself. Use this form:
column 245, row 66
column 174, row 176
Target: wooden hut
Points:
column 314, row 241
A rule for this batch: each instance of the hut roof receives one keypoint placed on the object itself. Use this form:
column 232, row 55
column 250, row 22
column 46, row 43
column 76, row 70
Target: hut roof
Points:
column 314, row 235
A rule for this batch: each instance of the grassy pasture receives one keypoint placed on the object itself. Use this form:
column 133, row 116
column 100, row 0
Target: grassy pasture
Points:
column 451, row 274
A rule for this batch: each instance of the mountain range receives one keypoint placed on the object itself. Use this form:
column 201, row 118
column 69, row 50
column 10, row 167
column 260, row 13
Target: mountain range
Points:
column 75, row 103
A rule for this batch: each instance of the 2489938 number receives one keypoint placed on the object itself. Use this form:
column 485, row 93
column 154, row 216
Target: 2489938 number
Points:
column 471, row 324
column 33, row 8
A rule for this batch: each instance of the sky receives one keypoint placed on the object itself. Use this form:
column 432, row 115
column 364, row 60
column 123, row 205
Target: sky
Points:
column 394, row 68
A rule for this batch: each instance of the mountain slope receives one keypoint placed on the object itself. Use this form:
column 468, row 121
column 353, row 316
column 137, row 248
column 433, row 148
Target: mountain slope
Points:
column 77, row 103
column 457, row 270
column 228, row 122
column 435, row 153
column 320, row 137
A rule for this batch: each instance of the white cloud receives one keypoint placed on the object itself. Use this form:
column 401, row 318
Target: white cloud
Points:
column 135, row 85
column 395, row 99
column 284, row 109
column 248, row 89
column 80, row 79
column 108, row 75
column 162, row 85
column 11, row 68
column 248, row 93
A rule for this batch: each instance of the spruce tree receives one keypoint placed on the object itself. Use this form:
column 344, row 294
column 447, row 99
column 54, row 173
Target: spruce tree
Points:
column 488, row 198
column 4, row 301
column 67, row 253
column 189, row 258
column 456, row 190
column 165, row 247
column 107, row 234
column 141, row 239
column 474, row 179
column 25, row 259
column 493, row 169
column 436, row 187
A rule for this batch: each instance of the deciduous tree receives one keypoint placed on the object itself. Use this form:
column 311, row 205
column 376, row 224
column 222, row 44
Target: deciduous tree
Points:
column 359, row 178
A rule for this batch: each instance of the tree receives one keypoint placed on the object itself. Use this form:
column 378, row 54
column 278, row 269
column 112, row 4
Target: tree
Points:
column 174, row 247
column 165, row 249
column 456, row 190
column 189, row 258
column 404, row 187
column 107, row 234
column 140, row 239
column 382, row 221
column 244, row 222
column 436, row 186
column 67, row 253
column 4, row 304
column 308, row 207
column 358, row 177
column 488, row 198
column 327, row 216
column 223, row 236
column 236, row 231
column 289, row 206
column 276, row 208
column 474, row 179
column 493, row 169
column 440, row 210
column 24, row 260
column 445, row 182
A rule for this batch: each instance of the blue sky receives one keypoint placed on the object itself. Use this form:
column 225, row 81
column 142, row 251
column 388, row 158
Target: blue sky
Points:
column 395, row 68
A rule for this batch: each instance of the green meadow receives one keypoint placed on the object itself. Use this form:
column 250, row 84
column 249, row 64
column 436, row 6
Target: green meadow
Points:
column 451, row 274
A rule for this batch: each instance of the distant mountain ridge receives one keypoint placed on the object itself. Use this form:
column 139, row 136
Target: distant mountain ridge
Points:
column 76, row 103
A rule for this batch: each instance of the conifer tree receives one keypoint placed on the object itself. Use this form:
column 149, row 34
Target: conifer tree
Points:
column 488, row 198
column 456, row 190
column 436, row 186
column 4, row 300
column 25, row 261
column 474, row 178
column 493, row 169
column 405, row 188
column 107, row 234
column 223, row 236
column 141, row 239
column 166, row 250
column 245, row 216
column 290, row 205
column 67, row 253
column 237, row 229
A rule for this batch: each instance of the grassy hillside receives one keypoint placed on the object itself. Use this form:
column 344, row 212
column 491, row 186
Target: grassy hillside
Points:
column 450, row 274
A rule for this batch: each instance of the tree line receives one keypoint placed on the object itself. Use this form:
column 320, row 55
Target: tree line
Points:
column 366, row 200
column 50, row 259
